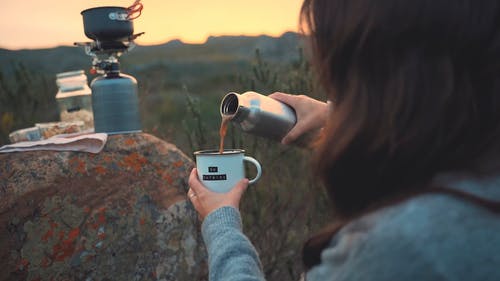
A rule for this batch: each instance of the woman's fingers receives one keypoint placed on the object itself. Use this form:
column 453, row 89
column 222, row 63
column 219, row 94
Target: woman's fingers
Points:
column 195, row 189
column 291, row 100
column 311, row 116
column 194, row 183
column 206, row 201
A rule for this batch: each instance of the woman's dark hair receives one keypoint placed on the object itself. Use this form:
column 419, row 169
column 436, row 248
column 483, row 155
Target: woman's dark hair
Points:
column 416, row 91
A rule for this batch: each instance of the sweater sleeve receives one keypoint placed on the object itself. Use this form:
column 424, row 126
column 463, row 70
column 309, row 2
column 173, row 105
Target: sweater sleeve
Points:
column 231, row 256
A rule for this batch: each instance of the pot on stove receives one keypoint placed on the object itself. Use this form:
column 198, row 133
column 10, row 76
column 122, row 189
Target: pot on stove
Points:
column 107, row 23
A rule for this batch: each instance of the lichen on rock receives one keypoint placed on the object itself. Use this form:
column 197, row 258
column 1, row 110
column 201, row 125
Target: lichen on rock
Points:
column 119, row 215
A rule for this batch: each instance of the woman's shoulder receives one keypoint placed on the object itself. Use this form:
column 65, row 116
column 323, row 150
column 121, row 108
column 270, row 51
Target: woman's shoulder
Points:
column 428, row 218
column 428, row 237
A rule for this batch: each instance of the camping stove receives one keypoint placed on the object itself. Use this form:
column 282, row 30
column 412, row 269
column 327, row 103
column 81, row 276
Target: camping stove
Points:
column 115, row 102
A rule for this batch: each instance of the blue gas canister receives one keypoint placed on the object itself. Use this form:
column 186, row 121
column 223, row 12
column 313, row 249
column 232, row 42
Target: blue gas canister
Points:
column 115, row 104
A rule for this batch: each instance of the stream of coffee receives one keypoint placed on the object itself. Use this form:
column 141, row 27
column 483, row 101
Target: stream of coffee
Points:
column 223, row 131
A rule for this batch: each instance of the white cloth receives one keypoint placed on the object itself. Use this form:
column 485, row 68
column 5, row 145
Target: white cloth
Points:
column 86, row 142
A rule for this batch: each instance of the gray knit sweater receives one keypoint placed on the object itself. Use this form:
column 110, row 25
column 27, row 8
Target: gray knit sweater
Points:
column 430, row 237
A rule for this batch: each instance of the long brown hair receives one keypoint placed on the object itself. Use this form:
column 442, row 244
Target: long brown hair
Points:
column 416, row 91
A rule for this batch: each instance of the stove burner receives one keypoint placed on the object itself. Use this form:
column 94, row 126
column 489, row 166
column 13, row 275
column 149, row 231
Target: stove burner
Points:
column 105, row 54
column 108, row 47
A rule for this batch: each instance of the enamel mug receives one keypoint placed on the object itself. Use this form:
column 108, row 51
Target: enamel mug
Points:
column 220, row 172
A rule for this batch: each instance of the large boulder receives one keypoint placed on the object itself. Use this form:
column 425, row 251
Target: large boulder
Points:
column 121, row 214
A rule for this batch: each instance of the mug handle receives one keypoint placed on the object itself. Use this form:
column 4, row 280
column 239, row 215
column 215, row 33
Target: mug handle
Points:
column 257, row 165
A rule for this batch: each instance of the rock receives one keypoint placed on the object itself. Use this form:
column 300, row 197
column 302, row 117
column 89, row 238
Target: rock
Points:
column 121, row 214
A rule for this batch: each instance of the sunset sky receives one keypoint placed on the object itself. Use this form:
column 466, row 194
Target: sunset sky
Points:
column 47, row 23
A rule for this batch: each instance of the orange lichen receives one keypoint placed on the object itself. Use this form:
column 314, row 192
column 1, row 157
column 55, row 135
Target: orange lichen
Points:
column 107, row 158
column 158, row 168
column 178, row 164
column 47, row 235
column 66, row 246
column 50, row 232
column 129, row 142
column 73, row 234
column 101, row 218
column 23, row 264
column 45, row 262
column 100, row 170
column 142, row 221
column 167, row 177
column 133, row 161
column 101, row 235
column 77, row 164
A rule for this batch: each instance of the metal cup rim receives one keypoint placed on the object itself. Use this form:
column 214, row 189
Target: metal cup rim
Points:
column 216, row 152
column 103, row 8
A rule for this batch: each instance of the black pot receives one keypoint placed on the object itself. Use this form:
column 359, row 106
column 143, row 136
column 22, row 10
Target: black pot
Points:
column 107, row 23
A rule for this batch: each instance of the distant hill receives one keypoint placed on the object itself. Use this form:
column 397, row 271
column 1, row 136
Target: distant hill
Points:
column 233, row 50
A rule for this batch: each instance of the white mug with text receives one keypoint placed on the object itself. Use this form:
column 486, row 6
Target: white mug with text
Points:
column 220, row 172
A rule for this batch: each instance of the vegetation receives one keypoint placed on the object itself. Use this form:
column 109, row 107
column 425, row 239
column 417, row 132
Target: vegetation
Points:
column 180, row 104
column 286, row 206
column 26, row 99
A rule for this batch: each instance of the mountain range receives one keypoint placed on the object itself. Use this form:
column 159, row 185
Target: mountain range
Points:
column 233, row 50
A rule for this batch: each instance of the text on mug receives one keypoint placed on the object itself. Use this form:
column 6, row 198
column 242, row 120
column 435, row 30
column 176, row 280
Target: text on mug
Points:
column 214, row 177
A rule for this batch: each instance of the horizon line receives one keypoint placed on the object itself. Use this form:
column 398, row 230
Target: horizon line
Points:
column 58, row 45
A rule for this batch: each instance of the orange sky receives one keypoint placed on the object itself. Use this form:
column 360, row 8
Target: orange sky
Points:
column 49, row 23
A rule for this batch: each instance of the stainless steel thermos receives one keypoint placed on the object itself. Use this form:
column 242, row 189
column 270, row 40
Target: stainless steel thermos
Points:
column 115, row 104
column 258, row 114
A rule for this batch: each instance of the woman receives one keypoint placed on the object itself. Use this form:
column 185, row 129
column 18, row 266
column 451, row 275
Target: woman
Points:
column 410, row 155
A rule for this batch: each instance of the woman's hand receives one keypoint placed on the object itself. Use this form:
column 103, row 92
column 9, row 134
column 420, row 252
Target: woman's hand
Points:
column 311, row 114
column 206, row 201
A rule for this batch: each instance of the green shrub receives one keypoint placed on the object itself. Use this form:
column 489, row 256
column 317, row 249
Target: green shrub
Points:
column 286, row 205
column 26, row 97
